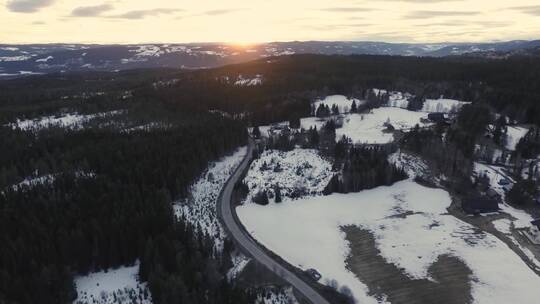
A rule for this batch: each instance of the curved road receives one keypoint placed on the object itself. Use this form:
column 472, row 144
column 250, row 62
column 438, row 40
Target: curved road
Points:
column 230, row 220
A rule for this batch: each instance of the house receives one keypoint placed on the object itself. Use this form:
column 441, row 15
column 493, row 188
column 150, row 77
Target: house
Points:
column 479, row 204
column 534, row 232
column 437, row 117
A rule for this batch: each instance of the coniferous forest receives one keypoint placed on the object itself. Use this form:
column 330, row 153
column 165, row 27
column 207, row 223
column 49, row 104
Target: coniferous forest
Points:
column 109, row 185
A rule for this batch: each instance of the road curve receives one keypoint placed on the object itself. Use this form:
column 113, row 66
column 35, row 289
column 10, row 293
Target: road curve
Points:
column 230, row 221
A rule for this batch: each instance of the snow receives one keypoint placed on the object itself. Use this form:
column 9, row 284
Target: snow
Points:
column 307, row 234
column 45, row 59
column 14, row 58
column 395, row 98
column 342, row 102
column 513, row 135
column 301, row 171
column 239, row 263
column 521, row 218
column 276, row 296
column 200, row 208
column 98, row 287
column 35, row 180
column 413, row 165
column 70, row 120
column 247, row 82
column 368, row 128
column 443, row 105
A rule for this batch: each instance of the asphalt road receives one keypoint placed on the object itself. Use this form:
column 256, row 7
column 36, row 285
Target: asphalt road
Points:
column 232, row 224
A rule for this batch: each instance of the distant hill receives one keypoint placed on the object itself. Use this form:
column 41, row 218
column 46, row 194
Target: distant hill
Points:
column 18, row 60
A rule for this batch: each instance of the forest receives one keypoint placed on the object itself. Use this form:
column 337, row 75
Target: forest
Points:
column 108, row 202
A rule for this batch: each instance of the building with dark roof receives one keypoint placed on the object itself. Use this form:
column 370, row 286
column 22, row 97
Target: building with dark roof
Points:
column 480, row 204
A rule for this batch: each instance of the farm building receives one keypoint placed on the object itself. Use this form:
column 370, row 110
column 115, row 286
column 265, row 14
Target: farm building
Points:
column 534, row 232
column 480, row 204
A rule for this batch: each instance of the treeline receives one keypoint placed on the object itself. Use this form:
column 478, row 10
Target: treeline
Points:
column 361, row 168
column 108, row 205
column 450, row 150
column 291, row 83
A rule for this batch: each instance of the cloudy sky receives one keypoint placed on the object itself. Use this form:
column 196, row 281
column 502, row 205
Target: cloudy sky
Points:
column 240, row 21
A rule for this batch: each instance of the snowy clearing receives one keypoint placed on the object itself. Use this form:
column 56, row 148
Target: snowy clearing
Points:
column 443, row 105
column 200, row 208
column 112, row 286
column 71, row 120
column 298, row 172
column 369, row 128
column 307, row 234
column 342, row 102
column 513, row 135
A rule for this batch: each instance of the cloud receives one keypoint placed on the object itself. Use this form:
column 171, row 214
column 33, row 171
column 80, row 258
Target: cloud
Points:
column 421, row 1
column 346, row 9
column 91, row 11
column 141, row 14
column 422, row 14
column 217, row 12
column 27, row 6
column 530, row 9
column 461, row 23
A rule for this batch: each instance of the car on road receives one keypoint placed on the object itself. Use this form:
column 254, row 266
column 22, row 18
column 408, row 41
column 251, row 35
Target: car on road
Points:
column 314, row 274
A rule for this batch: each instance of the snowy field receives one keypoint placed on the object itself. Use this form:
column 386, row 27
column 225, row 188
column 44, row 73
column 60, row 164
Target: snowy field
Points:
column 72, row 120
column 200, row 208
column 112, row 286
column 307, row 234
column 443, row 105
column 301, row 171
column 342, row 102
column 513, row 135
column 369, row 128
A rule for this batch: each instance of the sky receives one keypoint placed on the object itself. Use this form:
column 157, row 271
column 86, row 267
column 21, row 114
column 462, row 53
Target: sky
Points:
column 244, row 22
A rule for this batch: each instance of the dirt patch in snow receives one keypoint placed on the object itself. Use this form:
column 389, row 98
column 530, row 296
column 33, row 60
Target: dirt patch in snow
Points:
column 386, row 281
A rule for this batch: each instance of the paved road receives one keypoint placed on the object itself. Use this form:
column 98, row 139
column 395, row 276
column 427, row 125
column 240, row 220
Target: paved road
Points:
column 229, row 219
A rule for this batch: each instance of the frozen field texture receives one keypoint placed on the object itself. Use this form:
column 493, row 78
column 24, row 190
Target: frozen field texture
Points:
column 412, row 228
column 112, row 286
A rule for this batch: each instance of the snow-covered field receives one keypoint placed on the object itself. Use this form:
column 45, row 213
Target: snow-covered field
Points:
column 200, row 208
column 307, row 233
column 513, row 135
column 112, row 286
column 300, row 171
column 443, row 105
column 71, row 120
column 342, row 102
column 368, row 128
